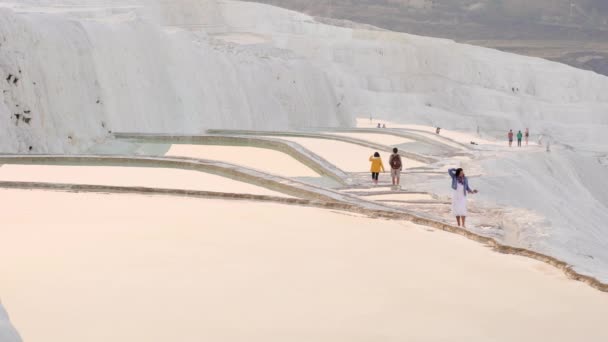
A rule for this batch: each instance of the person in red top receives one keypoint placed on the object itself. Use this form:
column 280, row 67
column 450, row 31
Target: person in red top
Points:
column 510, row 135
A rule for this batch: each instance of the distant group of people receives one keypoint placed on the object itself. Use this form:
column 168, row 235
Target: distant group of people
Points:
column 380, row 125
column 520, row 136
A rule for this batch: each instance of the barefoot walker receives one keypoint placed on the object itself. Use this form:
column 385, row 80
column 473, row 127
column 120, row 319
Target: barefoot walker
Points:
column 460, row 184
column 396, row 167
column 377, row 166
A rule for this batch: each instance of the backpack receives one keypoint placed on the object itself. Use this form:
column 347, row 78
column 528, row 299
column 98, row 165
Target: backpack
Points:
column 395, row 162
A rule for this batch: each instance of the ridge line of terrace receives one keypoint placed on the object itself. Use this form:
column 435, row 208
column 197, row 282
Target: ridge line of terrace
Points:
column 293, row 149
column 408, row 133
column 294, row 134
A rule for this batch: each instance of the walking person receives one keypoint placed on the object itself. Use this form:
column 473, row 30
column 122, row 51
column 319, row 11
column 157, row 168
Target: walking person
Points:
column 460, row 185
column 377, row 167
column 519, row 137
column 510, row 136
column 527, row 136
column 396, row 167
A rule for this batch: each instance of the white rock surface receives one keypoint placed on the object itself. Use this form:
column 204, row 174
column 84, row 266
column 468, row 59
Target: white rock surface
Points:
column 433, row 81
column 7, row 332
column 86, row 72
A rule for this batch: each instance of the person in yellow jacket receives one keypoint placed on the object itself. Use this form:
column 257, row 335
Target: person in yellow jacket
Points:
column 377, row 166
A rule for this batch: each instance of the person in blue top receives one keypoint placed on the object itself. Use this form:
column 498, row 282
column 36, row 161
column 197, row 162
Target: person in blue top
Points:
column 460, row 185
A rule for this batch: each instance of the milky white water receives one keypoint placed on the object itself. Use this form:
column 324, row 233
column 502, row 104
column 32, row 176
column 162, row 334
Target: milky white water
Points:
column 258, row 158
column 91, row 267
column 129, row 176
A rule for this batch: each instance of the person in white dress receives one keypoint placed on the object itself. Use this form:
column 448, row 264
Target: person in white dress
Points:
column 460, row 185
